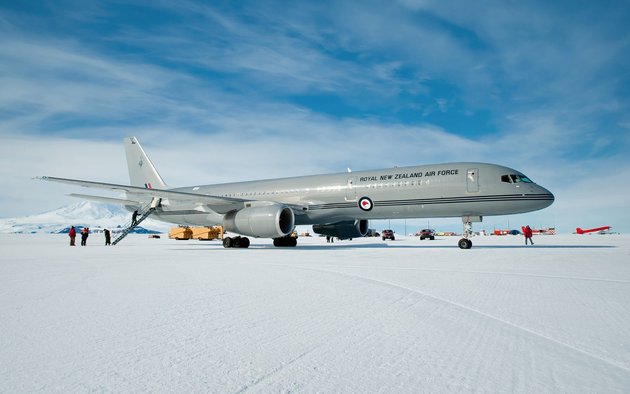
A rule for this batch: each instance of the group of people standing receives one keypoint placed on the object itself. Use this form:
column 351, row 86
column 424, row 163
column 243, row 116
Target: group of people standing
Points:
column 85, row 233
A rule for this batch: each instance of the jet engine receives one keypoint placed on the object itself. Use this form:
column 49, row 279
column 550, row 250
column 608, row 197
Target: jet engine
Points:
column 343, row 230
column 268, row 221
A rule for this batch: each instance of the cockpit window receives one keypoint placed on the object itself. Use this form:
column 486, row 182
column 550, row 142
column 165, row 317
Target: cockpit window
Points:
column 513, row 178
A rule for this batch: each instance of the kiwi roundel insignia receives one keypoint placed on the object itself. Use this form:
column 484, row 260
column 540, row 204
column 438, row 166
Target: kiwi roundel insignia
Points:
column 366, row 204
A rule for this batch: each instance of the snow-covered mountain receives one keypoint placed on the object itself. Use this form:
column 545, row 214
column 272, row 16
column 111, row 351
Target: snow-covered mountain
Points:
column 82, row 214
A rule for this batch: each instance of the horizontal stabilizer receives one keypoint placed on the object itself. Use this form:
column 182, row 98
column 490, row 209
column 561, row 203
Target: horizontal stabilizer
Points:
column 217, row 203
column 108, row 200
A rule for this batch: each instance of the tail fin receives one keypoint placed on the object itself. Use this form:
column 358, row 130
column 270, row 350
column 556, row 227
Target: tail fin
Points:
column 141, row 170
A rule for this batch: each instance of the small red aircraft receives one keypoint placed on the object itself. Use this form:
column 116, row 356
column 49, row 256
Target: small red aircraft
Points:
column 592, row 230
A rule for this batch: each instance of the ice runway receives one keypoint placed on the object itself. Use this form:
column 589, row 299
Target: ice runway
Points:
column 356, row 316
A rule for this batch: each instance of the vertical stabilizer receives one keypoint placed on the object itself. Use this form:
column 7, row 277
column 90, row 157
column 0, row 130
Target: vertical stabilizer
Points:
column 142, row 172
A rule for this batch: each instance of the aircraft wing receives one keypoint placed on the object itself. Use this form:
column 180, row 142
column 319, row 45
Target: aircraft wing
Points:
column 216, row 203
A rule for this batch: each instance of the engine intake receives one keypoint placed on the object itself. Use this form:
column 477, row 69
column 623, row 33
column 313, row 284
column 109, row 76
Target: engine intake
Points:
column 343, row 230
column 269, row 221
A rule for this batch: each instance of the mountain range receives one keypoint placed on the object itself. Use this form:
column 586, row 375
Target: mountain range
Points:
column 94, row 215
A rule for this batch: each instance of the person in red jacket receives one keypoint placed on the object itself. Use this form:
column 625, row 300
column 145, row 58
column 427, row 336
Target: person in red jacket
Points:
column 85, row 233
column 527, row 232
column 72, row 234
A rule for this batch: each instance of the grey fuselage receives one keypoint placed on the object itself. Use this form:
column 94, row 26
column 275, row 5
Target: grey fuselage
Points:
column 428, row 191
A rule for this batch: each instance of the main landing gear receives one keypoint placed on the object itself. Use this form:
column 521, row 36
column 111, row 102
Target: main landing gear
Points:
column 287, row 241
column 236, row 242
column 466, row 243
column 243, row 242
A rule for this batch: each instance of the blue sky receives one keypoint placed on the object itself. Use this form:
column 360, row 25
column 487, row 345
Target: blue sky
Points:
column 228, row 91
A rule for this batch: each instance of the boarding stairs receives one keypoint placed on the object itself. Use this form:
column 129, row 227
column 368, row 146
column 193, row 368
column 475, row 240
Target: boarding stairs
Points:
column 143, row 213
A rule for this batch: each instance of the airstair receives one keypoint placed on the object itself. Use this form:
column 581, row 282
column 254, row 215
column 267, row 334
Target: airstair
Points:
column 143, row 213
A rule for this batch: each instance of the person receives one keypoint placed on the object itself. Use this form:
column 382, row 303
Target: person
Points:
column 72, row 234
column 108, row 239
column 84, row 235
column 527, row 232
column 134, row 218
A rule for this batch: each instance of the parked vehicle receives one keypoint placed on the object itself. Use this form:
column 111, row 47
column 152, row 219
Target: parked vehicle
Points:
column 427, row 233
column 388, row 234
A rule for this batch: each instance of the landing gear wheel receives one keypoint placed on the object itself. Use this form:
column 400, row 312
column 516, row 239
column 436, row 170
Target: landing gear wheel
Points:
column 464, row 243
column 236, row 242
column 285, row 242
column 244, row 243
column 227, row 242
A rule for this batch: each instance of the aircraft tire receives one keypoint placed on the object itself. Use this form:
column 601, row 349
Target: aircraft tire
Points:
column 285, row 242
column 464, row 243
column 227, row 242
column 244, row 243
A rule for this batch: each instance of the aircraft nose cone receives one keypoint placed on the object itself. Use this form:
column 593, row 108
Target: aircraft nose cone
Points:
column 547, row 196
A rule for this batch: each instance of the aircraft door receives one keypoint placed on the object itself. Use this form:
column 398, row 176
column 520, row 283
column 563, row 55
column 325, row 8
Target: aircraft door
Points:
column 351, row 190
column 472, row 180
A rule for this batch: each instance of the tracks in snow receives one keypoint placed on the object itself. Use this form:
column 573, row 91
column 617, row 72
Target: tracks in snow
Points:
column 472, row 309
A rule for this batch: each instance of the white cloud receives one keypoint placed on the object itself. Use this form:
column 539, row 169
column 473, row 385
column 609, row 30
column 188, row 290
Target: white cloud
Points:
column 549, row 85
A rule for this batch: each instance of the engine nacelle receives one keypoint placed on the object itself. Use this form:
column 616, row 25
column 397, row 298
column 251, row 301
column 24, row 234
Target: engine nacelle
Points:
column 343, row 230
column 267, row 221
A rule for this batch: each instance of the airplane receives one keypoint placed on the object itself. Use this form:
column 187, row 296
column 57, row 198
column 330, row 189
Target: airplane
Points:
column 592, row 230
column 339, row 204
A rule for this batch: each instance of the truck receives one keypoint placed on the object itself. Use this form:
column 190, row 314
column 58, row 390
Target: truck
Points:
column 200, row 233
column 427, row 233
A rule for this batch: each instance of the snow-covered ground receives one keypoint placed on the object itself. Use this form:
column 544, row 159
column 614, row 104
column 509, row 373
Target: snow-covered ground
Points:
column 356, row 316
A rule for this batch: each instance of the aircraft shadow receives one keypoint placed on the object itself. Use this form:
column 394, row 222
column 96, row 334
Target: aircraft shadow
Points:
column 390, row 245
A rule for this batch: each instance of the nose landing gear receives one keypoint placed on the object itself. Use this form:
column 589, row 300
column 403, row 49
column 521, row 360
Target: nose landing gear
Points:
column 466, row 243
